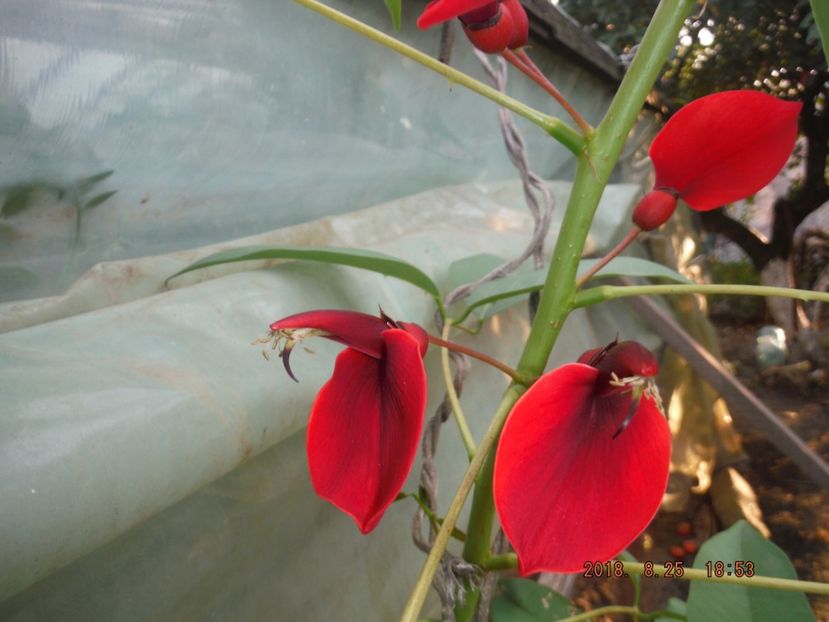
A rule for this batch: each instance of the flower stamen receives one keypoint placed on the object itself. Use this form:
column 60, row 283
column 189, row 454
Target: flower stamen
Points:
column 284, row 340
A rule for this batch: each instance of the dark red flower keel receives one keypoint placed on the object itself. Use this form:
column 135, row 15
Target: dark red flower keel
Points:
column 365, row 428
column 568, row 487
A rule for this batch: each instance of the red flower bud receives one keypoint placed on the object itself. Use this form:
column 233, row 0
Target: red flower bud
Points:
column 654, row 210
column 493, row 35
column 439, row 11
column 520, row 24
column 491, row 25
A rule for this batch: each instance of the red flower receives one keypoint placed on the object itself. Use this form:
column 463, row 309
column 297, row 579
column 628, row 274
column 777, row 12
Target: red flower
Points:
column 366, row 420
column 491, row 25
column 583, row 460
column 718, row 149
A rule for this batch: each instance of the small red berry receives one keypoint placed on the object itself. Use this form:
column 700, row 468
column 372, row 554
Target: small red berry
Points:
column 677, row 552
column 690, row 546
column 684, row 528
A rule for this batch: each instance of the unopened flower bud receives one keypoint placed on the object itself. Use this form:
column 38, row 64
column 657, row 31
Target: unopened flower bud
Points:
column 493, row 35
column 654, row 209
column 520, row 24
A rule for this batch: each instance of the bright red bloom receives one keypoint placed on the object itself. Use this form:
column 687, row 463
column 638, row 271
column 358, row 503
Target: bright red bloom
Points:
column 491, row 25
column 583, row 461
column 366, row 421
column 716, row 150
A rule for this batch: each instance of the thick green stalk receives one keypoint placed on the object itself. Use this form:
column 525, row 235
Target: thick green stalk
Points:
column 593, row 172
column 603, row 293
column 554, row 126
column 603, row 151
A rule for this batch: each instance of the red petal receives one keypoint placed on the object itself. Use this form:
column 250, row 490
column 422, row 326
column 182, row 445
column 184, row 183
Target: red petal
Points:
column 566, row 491
column 360, row 331
column 439, row 11
column 365, row 428
column 724, row 147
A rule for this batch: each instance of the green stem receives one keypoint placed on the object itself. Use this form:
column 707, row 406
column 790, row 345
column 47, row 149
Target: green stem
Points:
column 601, row 293
column 434, row 519
column 452, row 395
column 554, row 126
column 506, row 561
column 594, row 168
column 424, row 581
column 634, row 611
column 603, row 152
column 697, row 574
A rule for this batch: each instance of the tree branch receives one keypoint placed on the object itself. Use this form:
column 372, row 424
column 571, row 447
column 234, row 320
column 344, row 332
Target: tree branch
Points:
column 717, row 221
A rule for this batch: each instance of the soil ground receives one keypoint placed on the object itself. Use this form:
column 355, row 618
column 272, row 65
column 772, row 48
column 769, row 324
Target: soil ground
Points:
column 794, row 508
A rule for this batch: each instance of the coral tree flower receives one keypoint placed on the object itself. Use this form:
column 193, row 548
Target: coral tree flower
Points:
column 491, row 25
column 366, row 420
column 718, row 149
column 583, row 460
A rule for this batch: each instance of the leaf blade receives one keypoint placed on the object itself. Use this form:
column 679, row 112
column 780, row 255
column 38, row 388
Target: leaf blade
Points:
column 355, row 258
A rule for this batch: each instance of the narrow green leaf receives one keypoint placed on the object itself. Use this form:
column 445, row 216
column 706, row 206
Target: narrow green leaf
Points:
column 356, row 258
column 820, row 11
column 718, row 602
column 395, row 8
column 523, row 600
column 470, row 269
column 85, row 184
column 633, row 266
column 98, row 199
column 526, row 281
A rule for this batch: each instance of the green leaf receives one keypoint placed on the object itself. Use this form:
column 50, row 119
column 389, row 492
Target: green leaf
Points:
column 633, row 266
column 98, row 199
column 820, row 10
column 395, row 8
column 675, row 605
column 85, row 184
column 356, row 258
column 20, row 197
column 526, row 281
column 470, row 269
column 522, row 600
column 718, row 602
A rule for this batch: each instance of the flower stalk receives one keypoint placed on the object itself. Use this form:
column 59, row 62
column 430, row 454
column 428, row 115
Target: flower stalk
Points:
column 603, row 293
column 452, row 395
column 484, row 358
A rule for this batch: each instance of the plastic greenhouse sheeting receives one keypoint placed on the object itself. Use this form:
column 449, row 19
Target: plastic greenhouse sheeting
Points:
column 152, row 462
column 215, row 120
